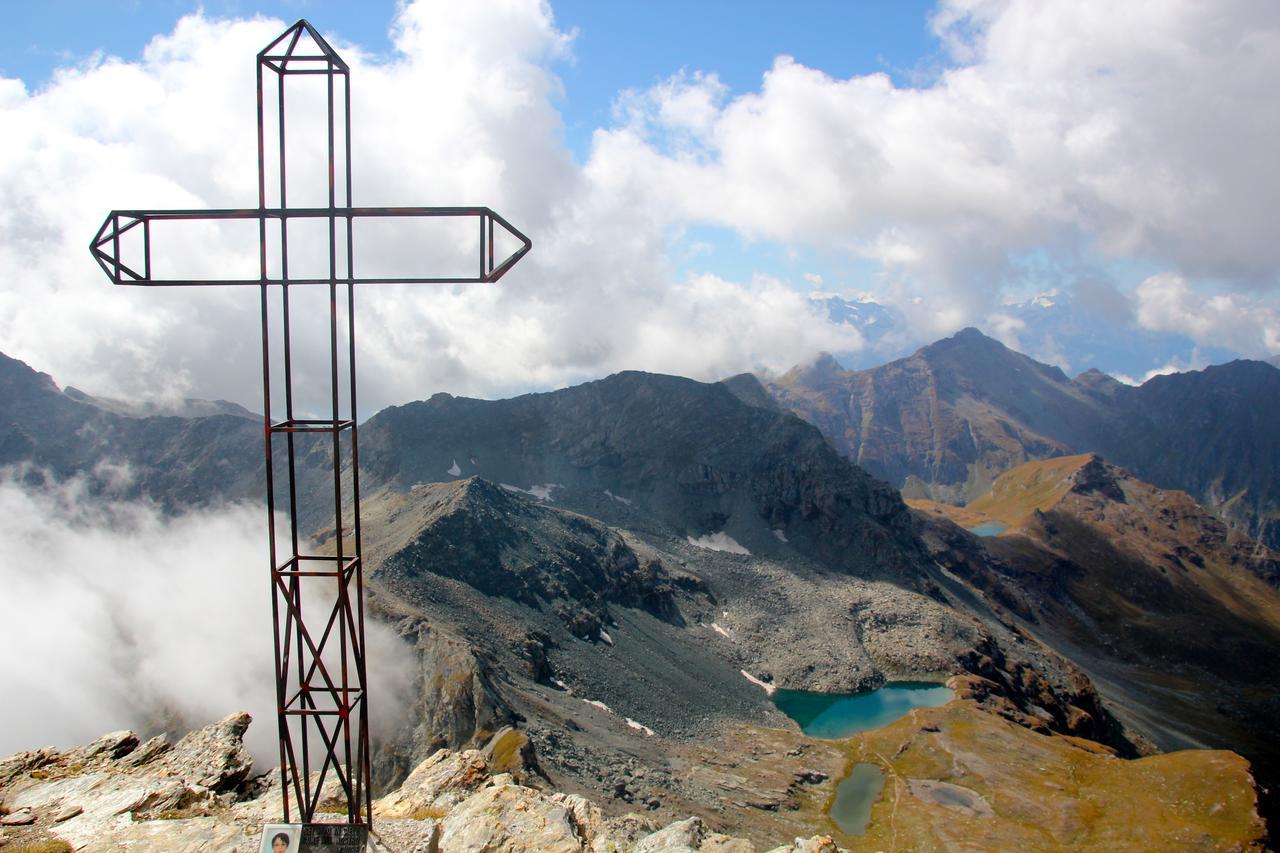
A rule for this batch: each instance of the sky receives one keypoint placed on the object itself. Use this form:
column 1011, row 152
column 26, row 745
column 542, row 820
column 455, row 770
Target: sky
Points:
column 690, row 175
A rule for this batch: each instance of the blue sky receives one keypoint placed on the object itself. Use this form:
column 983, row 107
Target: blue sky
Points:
column 619, row 45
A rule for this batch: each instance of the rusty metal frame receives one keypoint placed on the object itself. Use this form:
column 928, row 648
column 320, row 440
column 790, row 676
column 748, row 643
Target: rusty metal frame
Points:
column 318, row 704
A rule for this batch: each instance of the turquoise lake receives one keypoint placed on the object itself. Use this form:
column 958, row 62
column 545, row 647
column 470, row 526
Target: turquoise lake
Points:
column 991, row 528
column 839, row 715
column 855, row 796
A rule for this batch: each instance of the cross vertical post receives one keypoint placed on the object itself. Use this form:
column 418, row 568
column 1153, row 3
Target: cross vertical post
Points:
column 317, row 593
column 320, row 706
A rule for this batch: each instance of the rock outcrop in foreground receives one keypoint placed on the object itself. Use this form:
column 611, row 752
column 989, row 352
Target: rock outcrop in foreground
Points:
column 957, row 776
column 120, row 793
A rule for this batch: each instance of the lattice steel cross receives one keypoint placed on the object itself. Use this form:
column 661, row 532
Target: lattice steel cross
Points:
column 319, row 705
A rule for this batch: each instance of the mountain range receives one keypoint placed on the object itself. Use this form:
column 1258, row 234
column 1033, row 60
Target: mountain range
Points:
column 617, row 568
column 946, row 421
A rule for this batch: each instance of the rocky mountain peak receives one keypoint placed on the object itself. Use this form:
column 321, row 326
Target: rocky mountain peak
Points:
column 509, row 545
column 17, row 378
column 968, row 341
column 823, row 372
column 1100, row 384
column 985, row 362
column 1096, row 476
column 824, row 367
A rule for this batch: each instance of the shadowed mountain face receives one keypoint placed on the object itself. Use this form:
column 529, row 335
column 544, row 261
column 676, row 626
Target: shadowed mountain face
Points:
column 1214, row 433
column 501, row 544
column 176, row 461
column 945, row 422
column 651, row 452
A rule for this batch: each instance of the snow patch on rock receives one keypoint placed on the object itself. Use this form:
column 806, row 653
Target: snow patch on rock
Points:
column 718, row 542
column 640, row 727
column 768, row 688
column 542, row 493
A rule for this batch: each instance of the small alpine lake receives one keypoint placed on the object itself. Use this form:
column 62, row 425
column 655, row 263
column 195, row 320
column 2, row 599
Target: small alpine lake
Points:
column 855, row 795
column 839, row 715
column 991, row 528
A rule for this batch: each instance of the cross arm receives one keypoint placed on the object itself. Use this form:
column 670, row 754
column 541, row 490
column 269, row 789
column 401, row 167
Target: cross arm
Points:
column 106, row 244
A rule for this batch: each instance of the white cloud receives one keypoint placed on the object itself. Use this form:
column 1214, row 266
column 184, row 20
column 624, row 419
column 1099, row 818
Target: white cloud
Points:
column 1130, row 130
column 114, row 616
column 1239, row 321
column 464, row 114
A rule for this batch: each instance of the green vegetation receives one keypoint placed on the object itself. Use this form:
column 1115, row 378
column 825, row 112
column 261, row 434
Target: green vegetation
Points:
column 1033, row 486
column 506, row 752
column 429, row 813
column 1048, row 792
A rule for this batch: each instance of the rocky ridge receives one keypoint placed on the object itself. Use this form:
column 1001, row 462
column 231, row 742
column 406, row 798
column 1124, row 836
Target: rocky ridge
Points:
column 117, row 793
column 198, row 794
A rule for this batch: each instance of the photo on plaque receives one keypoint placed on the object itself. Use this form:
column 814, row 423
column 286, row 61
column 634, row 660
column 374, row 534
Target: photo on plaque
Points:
column 280, row 838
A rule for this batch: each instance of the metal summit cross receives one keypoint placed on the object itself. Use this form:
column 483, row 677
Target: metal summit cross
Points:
column 322, row 704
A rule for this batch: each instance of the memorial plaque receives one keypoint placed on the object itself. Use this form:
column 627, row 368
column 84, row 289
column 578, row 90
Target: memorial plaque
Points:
column 314, row 838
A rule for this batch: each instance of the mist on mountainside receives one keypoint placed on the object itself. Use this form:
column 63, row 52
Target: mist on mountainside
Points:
column 115, row 615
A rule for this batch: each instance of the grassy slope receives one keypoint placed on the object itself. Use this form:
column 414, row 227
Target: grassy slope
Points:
column 1018, row 493
column 1049, row 792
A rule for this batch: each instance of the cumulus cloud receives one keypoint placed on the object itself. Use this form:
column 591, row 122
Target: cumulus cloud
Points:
column 114, row 616
column 1134, row 130
column 1248, row 323
column 464, row 113
column 1070, row 128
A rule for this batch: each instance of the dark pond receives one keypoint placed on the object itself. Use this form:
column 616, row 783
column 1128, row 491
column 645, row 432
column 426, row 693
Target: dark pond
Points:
column 855, row 796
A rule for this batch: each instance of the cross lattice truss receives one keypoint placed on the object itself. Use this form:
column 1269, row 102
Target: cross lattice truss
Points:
column 317, row 592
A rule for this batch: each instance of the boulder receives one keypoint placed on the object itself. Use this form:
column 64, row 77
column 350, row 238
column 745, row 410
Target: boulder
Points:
column 505, row 818
column 22, row 817
column 692, row 836
column 147, row 752
column 587, row 818
column 814, row 844
column 110, row 746
column 621, row 833
column 67, row 812
column 213, row 757
column 511, row 751
column 436, row 785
